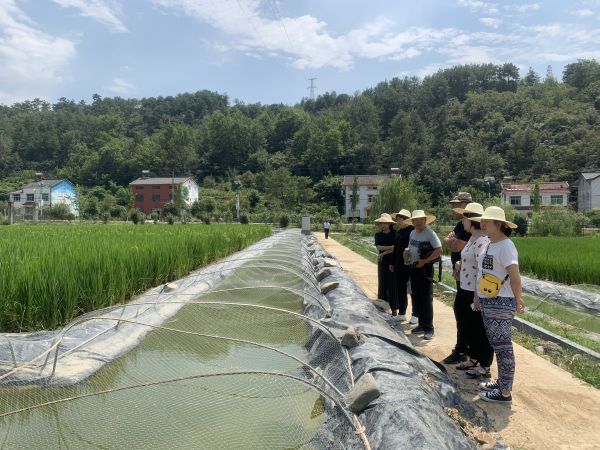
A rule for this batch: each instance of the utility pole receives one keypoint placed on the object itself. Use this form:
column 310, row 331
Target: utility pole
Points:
column 312, row 88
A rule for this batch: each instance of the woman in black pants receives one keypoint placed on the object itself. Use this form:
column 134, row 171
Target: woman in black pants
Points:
column 384, row 241
column 401, row 271
column 470, row 321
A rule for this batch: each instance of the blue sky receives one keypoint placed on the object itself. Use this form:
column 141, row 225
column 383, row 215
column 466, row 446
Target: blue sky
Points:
column 266, row 50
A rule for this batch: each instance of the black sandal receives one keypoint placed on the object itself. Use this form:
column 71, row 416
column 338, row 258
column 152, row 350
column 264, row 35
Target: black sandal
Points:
column 468, row 364
column 479, row 372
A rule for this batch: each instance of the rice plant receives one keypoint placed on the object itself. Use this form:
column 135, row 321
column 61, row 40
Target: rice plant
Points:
column 50, row 274
column 569, row 260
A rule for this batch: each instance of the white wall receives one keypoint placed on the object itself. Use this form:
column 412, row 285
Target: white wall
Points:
column 363, row 201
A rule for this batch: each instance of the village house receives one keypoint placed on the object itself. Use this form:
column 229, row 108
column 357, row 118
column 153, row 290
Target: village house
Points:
column 588, row 195
column 151, row 194
column 367, row 189
column 34, row 198
column 519, row 195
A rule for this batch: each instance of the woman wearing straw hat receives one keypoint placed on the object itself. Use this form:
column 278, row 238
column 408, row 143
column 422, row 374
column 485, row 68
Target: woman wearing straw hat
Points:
column 469, row 322
column 498, row 295
column 384, row 241
column 399, row 300
column 424, row 248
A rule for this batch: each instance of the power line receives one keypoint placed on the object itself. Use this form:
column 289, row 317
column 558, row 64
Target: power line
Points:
column 279, row 17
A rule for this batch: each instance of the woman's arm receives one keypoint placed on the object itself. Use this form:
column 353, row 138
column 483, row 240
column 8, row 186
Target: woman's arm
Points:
column 383, row 248
column 515, row 284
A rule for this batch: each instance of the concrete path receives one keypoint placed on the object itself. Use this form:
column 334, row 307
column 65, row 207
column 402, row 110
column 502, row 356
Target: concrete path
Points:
column 551, row 409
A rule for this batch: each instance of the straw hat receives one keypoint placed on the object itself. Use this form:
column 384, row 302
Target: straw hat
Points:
column 385, row 218
column 471, row 208
column 494, row 213
column 462, row 197
column 418, row 214
column 404, row 213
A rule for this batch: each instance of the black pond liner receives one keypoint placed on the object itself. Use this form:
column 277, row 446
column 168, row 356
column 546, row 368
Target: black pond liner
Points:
column 415, row 390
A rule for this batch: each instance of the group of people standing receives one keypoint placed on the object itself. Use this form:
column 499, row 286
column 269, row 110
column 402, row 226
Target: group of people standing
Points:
column 486, row 269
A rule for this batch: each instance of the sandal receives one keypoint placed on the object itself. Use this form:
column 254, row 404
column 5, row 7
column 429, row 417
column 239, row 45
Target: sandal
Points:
column 468, row 364
column 479, row 372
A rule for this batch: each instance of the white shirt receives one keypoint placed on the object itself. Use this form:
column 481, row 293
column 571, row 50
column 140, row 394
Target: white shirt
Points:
column 326, row 225
column 469, row 261
column 495, row 259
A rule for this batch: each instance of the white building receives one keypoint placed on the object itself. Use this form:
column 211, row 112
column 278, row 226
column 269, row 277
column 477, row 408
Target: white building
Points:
column 367, row 189
column 519, row 195
column 588, row 196
column 35, row 197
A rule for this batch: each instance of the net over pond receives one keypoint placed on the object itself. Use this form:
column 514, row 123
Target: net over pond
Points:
column 227, row 359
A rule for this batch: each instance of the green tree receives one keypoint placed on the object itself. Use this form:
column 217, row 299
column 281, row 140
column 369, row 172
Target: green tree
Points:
column 354, row 196
column 399, row 193
column 536, row 198
column 582, row 73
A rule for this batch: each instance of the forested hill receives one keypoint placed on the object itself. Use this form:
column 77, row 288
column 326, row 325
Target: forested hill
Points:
column 450, row 130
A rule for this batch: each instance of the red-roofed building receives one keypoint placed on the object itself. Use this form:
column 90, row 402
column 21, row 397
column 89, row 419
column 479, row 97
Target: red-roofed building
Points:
column 518, row 195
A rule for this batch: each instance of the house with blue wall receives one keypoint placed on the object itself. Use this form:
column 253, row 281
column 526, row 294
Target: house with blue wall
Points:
column 40, row 195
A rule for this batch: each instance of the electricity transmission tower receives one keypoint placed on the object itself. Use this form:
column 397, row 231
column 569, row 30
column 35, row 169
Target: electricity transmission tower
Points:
column 312, row 88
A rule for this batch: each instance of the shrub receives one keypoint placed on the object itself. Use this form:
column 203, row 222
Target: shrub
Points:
column 170, row 209
column 170, row 219
column 284, row 220
column 556, row 221
column 522, row 225
column 61, row 211
column 104, row 217
column 154, row 217
column 593, row 217
column 118, row 212
column 244, row 219
column 137, row 216
column 133, row 216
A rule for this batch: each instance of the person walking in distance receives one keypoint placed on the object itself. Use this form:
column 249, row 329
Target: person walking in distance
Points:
column 401, row 271
column 456, row 241
column 498, row 296
column 326, row 227
column 423, row 249
column 384, row 242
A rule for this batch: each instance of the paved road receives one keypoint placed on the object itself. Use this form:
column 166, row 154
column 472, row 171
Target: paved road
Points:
column 551, row 409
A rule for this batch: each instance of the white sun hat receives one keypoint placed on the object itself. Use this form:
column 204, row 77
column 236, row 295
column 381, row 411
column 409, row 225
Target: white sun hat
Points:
column 471, row 208
column 419, row 214
column 494, row 213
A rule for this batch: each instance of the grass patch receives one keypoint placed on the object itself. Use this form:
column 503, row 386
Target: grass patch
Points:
column 365, row 250
column 581, row 366
column 53, row 273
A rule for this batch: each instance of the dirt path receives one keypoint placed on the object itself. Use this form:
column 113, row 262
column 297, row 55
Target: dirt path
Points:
column 551, row 409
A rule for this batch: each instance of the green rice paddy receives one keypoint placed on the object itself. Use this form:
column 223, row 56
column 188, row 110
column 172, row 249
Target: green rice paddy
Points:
column 50, row 274
column 568, row 260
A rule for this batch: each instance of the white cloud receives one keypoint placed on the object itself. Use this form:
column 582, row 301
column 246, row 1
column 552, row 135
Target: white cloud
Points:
column 490, row 22
column 104, row 11
column 31, row 61
column 479, row 6
column 120, row 86
column 583, row 12
column 305, row 40
column 528, row 7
